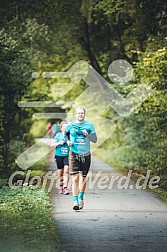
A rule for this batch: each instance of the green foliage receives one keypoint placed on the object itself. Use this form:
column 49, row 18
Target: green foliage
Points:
column 3, row 182
column 139, row 141
column 25, row 218
column 52, row 36
column 162, row 193
column 40, row 165
column 22, row 47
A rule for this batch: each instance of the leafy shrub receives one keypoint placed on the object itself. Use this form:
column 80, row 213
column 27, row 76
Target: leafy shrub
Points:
column 3, row 182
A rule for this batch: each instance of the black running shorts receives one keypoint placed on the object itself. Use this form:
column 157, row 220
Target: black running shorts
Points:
column 79, row 163
column 61, row 161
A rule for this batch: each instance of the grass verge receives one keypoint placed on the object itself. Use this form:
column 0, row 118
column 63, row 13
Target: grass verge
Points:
column 162, row 186
column 26, row 223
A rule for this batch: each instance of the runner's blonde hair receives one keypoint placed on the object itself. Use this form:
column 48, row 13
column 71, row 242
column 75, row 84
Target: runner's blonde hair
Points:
column 63, row 122
column 80, row 108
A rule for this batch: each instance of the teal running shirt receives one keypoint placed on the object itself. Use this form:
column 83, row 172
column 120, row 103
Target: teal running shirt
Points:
column 80, row 142
column 61, row 150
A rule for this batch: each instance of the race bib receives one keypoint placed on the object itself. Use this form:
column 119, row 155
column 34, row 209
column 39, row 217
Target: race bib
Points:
column 64, row 150
column 79, row 140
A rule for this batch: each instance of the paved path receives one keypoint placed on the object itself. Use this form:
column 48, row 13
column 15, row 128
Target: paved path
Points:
column 112, row 220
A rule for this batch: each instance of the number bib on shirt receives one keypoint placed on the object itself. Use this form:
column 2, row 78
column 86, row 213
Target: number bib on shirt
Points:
column 79, row 140
column 64, row 150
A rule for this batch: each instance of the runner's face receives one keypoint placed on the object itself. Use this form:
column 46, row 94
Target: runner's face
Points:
column 80, row 115
column 63, row 127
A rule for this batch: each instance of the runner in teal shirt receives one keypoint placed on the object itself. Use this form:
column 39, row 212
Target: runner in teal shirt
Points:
column 80, row 142
column 61, row 150
column 61, row 158
column 79, row 133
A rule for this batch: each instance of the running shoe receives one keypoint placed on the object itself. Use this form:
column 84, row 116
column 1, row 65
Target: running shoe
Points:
column 66, row 191
column 61, row 190
column 81, row 203
column 76, row 206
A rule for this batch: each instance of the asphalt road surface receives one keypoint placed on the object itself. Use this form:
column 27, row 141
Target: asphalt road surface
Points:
column 113, row 219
